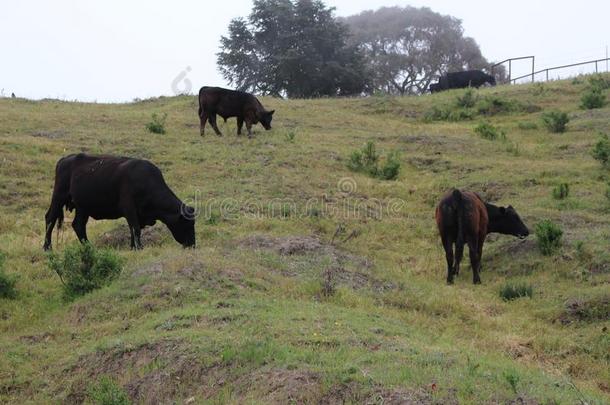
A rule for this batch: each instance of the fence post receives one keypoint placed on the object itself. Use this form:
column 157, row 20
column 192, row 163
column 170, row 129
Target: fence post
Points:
column 596, row 67
column 533, row 67
column 547, row 75
column 510, row 69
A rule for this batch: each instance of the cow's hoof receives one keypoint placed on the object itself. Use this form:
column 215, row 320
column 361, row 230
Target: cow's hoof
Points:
column 449, row 281
column 47, row 248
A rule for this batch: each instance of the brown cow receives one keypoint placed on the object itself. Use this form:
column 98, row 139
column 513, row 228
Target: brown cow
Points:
column 229, row 103
column 464, row 218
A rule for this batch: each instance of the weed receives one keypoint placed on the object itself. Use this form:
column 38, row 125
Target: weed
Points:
column 601, row 150
column 548, row 235
column 366, row 161
column 527, row 126
column 83, row 269
column 555, row 121
column 108, row 392
column 7, row 283
column 512, row 378
column 290, row 135
column 561, row 191
column 593, row 97
column 467, row 100
column 157, row 123
column 488, row 131
column 509, row 291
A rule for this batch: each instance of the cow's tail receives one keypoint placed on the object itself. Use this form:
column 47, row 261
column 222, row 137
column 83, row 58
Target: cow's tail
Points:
column 458, row 206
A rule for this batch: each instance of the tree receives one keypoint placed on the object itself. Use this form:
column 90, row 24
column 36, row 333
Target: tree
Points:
column 292, row 48
column 406, row 48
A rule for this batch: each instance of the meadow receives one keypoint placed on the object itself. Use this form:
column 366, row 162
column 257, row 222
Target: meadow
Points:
column 311, row 282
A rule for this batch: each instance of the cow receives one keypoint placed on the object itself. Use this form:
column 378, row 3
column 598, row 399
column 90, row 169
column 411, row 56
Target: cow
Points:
column 111, row 187
column 461, row 80
column 230, row 103
column 462, row 218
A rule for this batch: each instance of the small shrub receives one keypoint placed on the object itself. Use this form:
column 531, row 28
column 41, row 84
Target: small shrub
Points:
column 467, row 100
column 598, row 81
column 328, row 283
column 513, row 148
column 592, row 98
column 492, row 105
column 601, row 150
column 488, row 131
column 290, row 135
column 555, row 121
column 108, row 392
column 83, row 269
column 214, row 218
column 367, row 161
column 391, row 168
column 548, row 235
column 527, row 126
column 157, row 123
column 509, row 292
column 538, row 89
column 445, row 113
column 7, row 283
column 561, row 191
column 512, row 378
column 608, row 192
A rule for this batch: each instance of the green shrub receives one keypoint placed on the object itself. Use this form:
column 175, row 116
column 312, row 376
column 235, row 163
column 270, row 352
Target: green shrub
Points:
column 157, row 123
column 488, row 131
column 598, row 81
column 83, row 269
column 107, row 392
column 601, row 150
column 7, row 283
column 448, row 113
column 467, row 100
column 290, row 135
column 593, row 97
column 608, row 192
column 561, row 191
column 510, row 292
column 527, row 126
column 512, row 378
column 492, row 105
column 548, row 235
column 555, row 121
column 366, row 161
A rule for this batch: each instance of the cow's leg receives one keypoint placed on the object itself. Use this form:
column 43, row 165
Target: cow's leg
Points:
column 249, row 128
column 475, row 261
column 203, row 118
column 50, row 219
column 240, row 125
column 481, row 243
column 212, row 119
column 80, row 225
column 448, row 246
column 459, row 254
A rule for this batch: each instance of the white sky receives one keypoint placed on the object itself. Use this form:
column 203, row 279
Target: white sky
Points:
column 117, row 50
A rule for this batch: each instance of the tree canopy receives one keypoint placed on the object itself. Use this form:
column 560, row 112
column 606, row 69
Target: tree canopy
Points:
column 292, row 48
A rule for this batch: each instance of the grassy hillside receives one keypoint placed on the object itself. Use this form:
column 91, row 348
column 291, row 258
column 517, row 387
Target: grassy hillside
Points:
column 312, row 283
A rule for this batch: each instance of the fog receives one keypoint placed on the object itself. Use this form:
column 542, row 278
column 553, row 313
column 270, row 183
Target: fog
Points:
column 113, row 51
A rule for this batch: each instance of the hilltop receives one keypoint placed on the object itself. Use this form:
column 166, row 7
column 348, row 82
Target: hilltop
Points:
column 310, row 282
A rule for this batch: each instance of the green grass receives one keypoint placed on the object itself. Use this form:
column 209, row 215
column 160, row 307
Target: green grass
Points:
column 249, row 316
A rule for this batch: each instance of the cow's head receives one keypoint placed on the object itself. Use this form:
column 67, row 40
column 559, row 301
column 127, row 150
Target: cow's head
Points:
column 182, row 226
column 265, row 119
column 491, row 80
column 507, row 221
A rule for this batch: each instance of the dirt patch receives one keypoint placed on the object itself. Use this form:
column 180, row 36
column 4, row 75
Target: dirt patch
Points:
column 30, row 339
column 356, row 393
column 49, row 134
column 291, row 245
column 435, row 165
column 281, row 386
column 120, row 237
column 151, row 373
column 586, row 310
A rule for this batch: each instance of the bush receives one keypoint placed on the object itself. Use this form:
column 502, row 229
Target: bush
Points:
column 467, row 100
column 527, row 126
column 366, row 161
column 601, row 150
column 157, row 123
column 510, row 292
column 7, row 283
column 492, row 105
column 107, row 392
column 488, row 131
column 598, row 81
column 548, row 235
column 83, row 269
column 561, row 191
column 555, row 121
column 592, row 98
column 290, row 135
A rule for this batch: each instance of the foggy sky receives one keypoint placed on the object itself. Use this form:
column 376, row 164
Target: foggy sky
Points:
column 117, row 50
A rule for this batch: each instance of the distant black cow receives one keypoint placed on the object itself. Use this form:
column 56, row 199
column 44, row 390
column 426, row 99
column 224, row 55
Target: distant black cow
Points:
column 461, row 80
column 110, row 187
column 463, row 218
column 229, row 103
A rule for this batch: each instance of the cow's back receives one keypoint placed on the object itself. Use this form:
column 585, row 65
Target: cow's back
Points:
column 470, row 206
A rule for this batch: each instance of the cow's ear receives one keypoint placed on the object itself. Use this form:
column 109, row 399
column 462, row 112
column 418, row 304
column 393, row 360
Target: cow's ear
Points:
column 270, row 112
column 188, row 212
column 502, row 210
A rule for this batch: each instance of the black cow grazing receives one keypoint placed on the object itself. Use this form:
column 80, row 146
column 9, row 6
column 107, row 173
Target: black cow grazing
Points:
column 461, row 80
column 463, row 218
column 230, row 103
column 110, row 187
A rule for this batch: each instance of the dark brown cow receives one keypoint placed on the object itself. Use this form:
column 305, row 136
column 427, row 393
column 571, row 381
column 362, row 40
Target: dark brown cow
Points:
column 230, row 103
column 464, row 218
column 110, row 187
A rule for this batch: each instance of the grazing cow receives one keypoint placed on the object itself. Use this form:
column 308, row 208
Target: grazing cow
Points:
column 461, row 80
column 229, row 103
column 110, row 187
column 463, row 218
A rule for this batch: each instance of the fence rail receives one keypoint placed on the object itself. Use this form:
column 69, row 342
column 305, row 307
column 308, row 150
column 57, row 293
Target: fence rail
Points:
column 510, row 65
column 533, row 74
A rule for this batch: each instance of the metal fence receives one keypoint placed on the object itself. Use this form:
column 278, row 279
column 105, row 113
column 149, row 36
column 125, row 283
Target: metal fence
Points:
column 547, row 70
column 510, row 65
